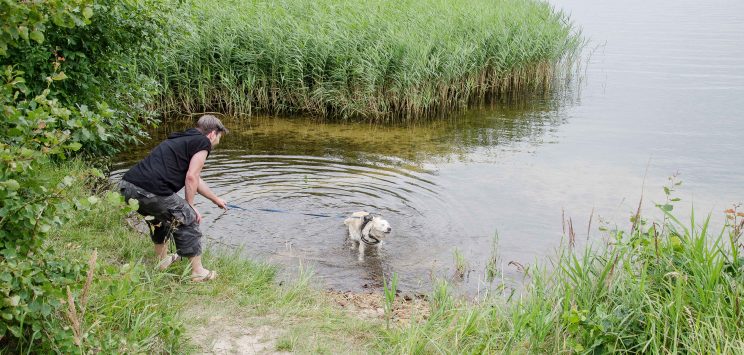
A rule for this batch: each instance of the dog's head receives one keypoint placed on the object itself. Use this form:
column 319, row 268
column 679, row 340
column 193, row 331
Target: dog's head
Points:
column 376, row 226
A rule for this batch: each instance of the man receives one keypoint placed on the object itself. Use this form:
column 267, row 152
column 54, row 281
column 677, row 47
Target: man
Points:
column 174, row 164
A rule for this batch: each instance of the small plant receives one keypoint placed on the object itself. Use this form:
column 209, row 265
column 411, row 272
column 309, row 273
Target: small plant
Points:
column 285, row 344
column 75, row 313
column 493, row 260
column 390, row 291
column 461, row 265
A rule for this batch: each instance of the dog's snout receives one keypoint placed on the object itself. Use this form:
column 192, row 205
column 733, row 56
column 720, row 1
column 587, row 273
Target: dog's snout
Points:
column 389, row 230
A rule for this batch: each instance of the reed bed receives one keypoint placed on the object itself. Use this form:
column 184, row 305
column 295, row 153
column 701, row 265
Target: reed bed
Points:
column 666, row 287
column 376, row 60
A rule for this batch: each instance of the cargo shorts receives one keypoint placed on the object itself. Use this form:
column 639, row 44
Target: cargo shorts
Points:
column 172, row 216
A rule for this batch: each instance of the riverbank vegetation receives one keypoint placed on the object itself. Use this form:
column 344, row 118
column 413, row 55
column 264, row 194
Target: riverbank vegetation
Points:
column 375, row 60
column 661, row 287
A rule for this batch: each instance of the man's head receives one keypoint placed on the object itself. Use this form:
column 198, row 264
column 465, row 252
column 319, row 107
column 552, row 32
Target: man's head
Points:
column 211, row 127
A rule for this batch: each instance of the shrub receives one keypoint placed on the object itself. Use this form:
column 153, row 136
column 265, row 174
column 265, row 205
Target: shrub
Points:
column 47, row 118
column 97, row 44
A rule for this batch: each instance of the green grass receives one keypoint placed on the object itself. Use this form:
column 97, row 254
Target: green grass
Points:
column 377, row 60
column 665, row 287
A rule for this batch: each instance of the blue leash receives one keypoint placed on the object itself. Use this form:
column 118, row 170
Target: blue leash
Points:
column 273, row 210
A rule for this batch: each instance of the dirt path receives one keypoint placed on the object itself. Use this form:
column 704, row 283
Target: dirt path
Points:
column 225, row 332
column 232, row 335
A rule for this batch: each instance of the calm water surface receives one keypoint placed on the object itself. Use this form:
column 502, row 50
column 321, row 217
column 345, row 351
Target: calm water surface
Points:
column 662, row 93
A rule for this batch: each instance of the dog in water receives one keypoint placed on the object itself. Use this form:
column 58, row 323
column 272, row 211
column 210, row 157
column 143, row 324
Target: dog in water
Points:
column 366, row 229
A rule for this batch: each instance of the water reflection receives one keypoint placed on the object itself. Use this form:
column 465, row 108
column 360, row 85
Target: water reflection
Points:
column 496, row 125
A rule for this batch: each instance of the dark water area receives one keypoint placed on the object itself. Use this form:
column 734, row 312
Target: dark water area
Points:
column 662, row 92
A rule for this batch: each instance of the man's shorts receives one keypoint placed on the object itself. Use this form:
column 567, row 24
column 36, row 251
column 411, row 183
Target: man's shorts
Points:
column 172, row 216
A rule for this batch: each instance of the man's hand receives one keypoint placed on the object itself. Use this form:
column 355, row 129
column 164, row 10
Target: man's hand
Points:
column 205, row 191
column 220, row 203
column 198, row 215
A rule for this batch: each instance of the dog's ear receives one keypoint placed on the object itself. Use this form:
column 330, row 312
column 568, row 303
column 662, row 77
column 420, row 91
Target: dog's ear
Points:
column 368, row 218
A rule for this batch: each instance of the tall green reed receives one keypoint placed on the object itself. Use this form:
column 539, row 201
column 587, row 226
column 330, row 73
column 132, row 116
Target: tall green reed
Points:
column 390, row 289
column 378, row 60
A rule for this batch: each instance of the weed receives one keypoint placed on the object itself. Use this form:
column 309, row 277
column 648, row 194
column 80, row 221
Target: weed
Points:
column 461, row 265
column 390, row 290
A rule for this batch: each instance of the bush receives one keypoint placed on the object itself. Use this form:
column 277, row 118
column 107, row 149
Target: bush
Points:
column 97, row 44
column 46, row 117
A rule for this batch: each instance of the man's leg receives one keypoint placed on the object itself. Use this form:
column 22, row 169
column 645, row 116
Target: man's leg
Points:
column 187, row 237
column 161, row 251
column 188, row 244
column 150, row 205
column 197, row 269
column 160, row 232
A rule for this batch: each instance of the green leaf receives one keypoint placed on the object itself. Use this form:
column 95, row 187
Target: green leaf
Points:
column 37, row 36
column 667, row 207
column 59, row 76
column 113, row 198
column 675, row 242
column 87, row 12
column 15, row 330
column 23, row 32
column 75, row 146
column 93, row 200
column 13, row 301
column 68, row 180
column 12, row 185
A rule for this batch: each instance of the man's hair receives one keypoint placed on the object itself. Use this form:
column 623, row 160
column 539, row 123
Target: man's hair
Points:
column 209, row 123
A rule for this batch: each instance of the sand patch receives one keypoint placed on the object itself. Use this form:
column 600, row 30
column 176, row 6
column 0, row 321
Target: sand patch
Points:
column 226, row 335
column 371, row 305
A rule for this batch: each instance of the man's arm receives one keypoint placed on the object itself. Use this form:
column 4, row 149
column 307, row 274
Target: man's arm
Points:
column 205, row 191
column 193, row 177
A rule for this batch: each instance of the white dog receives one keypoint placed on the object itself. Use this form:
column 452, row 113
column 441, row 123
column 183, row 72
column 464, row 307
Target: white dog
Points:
column 366, row 229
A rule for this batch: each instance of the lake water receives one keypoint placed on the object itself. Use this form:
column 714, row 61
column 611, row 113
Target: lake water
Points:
column 662, row 93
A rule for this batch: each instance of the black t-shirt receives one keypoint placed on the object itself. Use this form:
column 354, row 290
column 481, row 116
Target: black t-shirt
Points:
column 163, row 172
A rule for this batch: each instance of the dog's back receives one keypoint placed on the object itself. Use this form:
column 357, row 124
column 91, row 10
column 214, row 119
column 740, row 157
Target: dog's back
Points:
column 355, row 217
column 354, row 224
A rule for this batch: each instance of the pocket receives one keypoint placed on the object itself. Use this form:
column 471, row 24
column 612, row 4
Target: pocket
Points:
column 184, row 215
column 144, row 194
column 129, row 190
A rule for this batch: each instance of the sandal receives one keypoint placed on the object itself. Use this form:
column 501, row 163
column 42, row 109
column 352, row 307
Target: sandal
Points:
column 210, row 275
column 168, row 260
